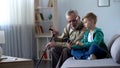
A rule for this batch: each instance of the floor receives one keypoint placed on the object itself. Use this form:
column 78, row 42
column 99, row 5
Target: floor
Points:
column 43, row 64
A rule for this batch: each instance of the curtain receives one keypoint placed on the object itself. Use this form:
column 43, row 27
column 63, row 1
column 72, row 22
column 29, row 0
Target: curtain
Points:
column 17, row 20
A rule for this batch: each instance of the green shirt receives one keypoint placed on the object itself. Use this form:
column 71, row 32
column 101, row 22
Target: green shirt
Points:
column 98, row 38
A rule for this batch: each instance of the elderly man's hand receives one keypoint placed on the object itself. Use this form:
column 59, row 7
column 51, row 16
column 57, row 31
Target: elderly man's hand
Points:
column 69, row 44
column 54, row 31
column 50, row 44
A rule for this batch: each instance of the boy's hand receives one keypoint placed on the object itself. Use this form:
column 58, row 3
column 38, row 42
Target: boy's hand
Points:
column 79, row 43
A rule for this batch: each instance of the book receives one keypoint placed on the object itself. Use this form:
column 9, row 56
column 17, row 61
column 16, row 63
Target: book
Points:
column 37, row 16
column 50, row 3
column 41, row 15
column 38, row 29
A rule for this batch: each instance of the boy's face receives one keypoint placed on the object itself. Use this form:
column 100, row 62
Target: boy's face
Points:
column 72, row 20
column 88, row 23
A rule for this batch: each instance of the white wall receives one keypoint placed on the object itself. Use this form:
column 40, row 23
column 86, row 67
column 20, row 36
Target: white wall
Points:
column 108, row 17
column 63, row 6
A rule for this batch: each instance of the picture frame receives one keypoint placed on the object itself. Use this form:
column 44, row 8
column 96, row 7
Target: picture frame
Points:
column 103, row 3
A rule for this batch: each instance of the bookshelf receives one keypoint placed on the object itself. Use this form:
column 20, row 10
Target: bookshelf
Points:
column 45, row 18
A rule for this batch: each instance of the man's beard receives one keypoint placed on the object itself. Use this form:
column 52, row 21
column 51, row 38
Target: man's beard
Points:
column 73, row 26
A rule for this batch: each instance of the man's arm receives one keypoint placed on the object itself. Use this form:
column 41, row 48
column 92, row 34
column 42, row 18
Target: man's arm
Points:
column 65, row 34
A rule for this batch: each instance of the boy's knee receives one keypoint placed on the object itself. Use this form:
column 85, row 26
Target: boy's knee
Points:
column 94, row 46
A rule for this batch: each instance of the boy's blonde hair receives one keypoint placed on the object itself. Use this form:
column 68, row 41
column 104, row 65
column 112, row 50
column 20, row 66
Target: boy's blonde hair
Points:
column 91, row 16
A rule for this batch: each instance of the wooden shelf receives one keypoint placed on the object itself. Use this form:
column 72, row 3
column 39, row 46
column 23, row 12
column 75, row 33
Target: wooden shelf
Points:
column 44, row 35
column 44, row 8
column 44, row 21
column 46, row 15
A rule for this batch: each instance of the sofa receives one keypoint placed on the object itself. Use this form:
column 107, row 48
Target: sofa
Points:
column 113, row 61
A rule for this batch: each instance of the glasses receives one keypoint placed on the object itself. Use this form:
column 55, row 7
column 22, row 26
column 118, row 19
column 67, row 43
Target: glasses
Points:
column 74, row 20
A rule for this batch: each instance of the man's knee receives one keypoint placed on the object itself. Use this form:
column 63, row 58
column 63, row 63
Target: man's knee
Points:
column 52, row 49
column 56, row 50
column 66, row 50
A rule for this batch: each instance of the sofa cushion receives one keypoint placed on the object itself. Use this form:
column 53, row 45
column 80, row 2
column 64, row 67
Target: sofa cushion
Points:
column 99, row 63
column 115, row 50
column 112, row 41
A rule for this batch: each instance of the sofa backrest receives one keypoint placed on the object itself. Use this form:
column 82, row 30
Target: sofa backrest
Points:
column 114, row 48
column 112, row 41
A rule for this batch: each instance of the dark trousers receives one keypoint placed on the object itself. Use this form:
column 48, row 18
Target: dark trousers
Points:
column 59, row 55
column 85, row 53
column 97, row 51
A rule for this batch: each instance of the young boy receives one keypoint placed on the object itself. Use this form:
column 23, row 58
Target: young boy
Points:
column 92, row 45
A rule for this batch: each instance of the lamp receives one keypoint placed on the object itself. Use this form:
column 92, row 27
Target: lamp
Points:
column 2, row 41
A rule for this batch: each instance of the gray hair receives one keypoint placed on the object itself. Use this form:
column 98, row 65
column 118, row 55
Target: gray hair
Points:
column 71, row 11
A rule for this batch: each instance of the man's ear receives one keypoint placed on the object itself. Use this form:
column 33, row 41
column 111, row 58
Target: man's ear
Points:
column 78, row 18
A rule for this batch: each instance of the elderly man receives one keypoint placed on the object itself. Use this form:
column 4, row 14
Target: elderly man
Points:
column 72, row 33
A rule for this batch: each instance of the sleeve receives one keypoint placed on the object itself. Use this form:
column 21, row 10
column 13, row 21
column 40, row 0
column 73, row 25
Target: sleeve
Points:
column 63, row 35
column 76, row 47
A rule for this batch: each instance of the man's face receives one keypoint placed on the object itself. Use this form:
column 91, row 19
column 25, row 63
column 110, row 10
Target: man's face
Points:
column 72, row 20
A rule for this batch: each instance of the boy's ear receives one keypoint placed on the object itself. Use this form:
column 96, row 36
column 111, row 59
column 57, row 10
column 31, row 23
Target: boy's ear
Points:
column 93, row 21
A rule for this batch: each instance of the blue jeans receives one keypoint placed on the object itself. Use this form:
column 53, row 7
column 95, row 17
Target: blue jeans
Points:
column 85, row 53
